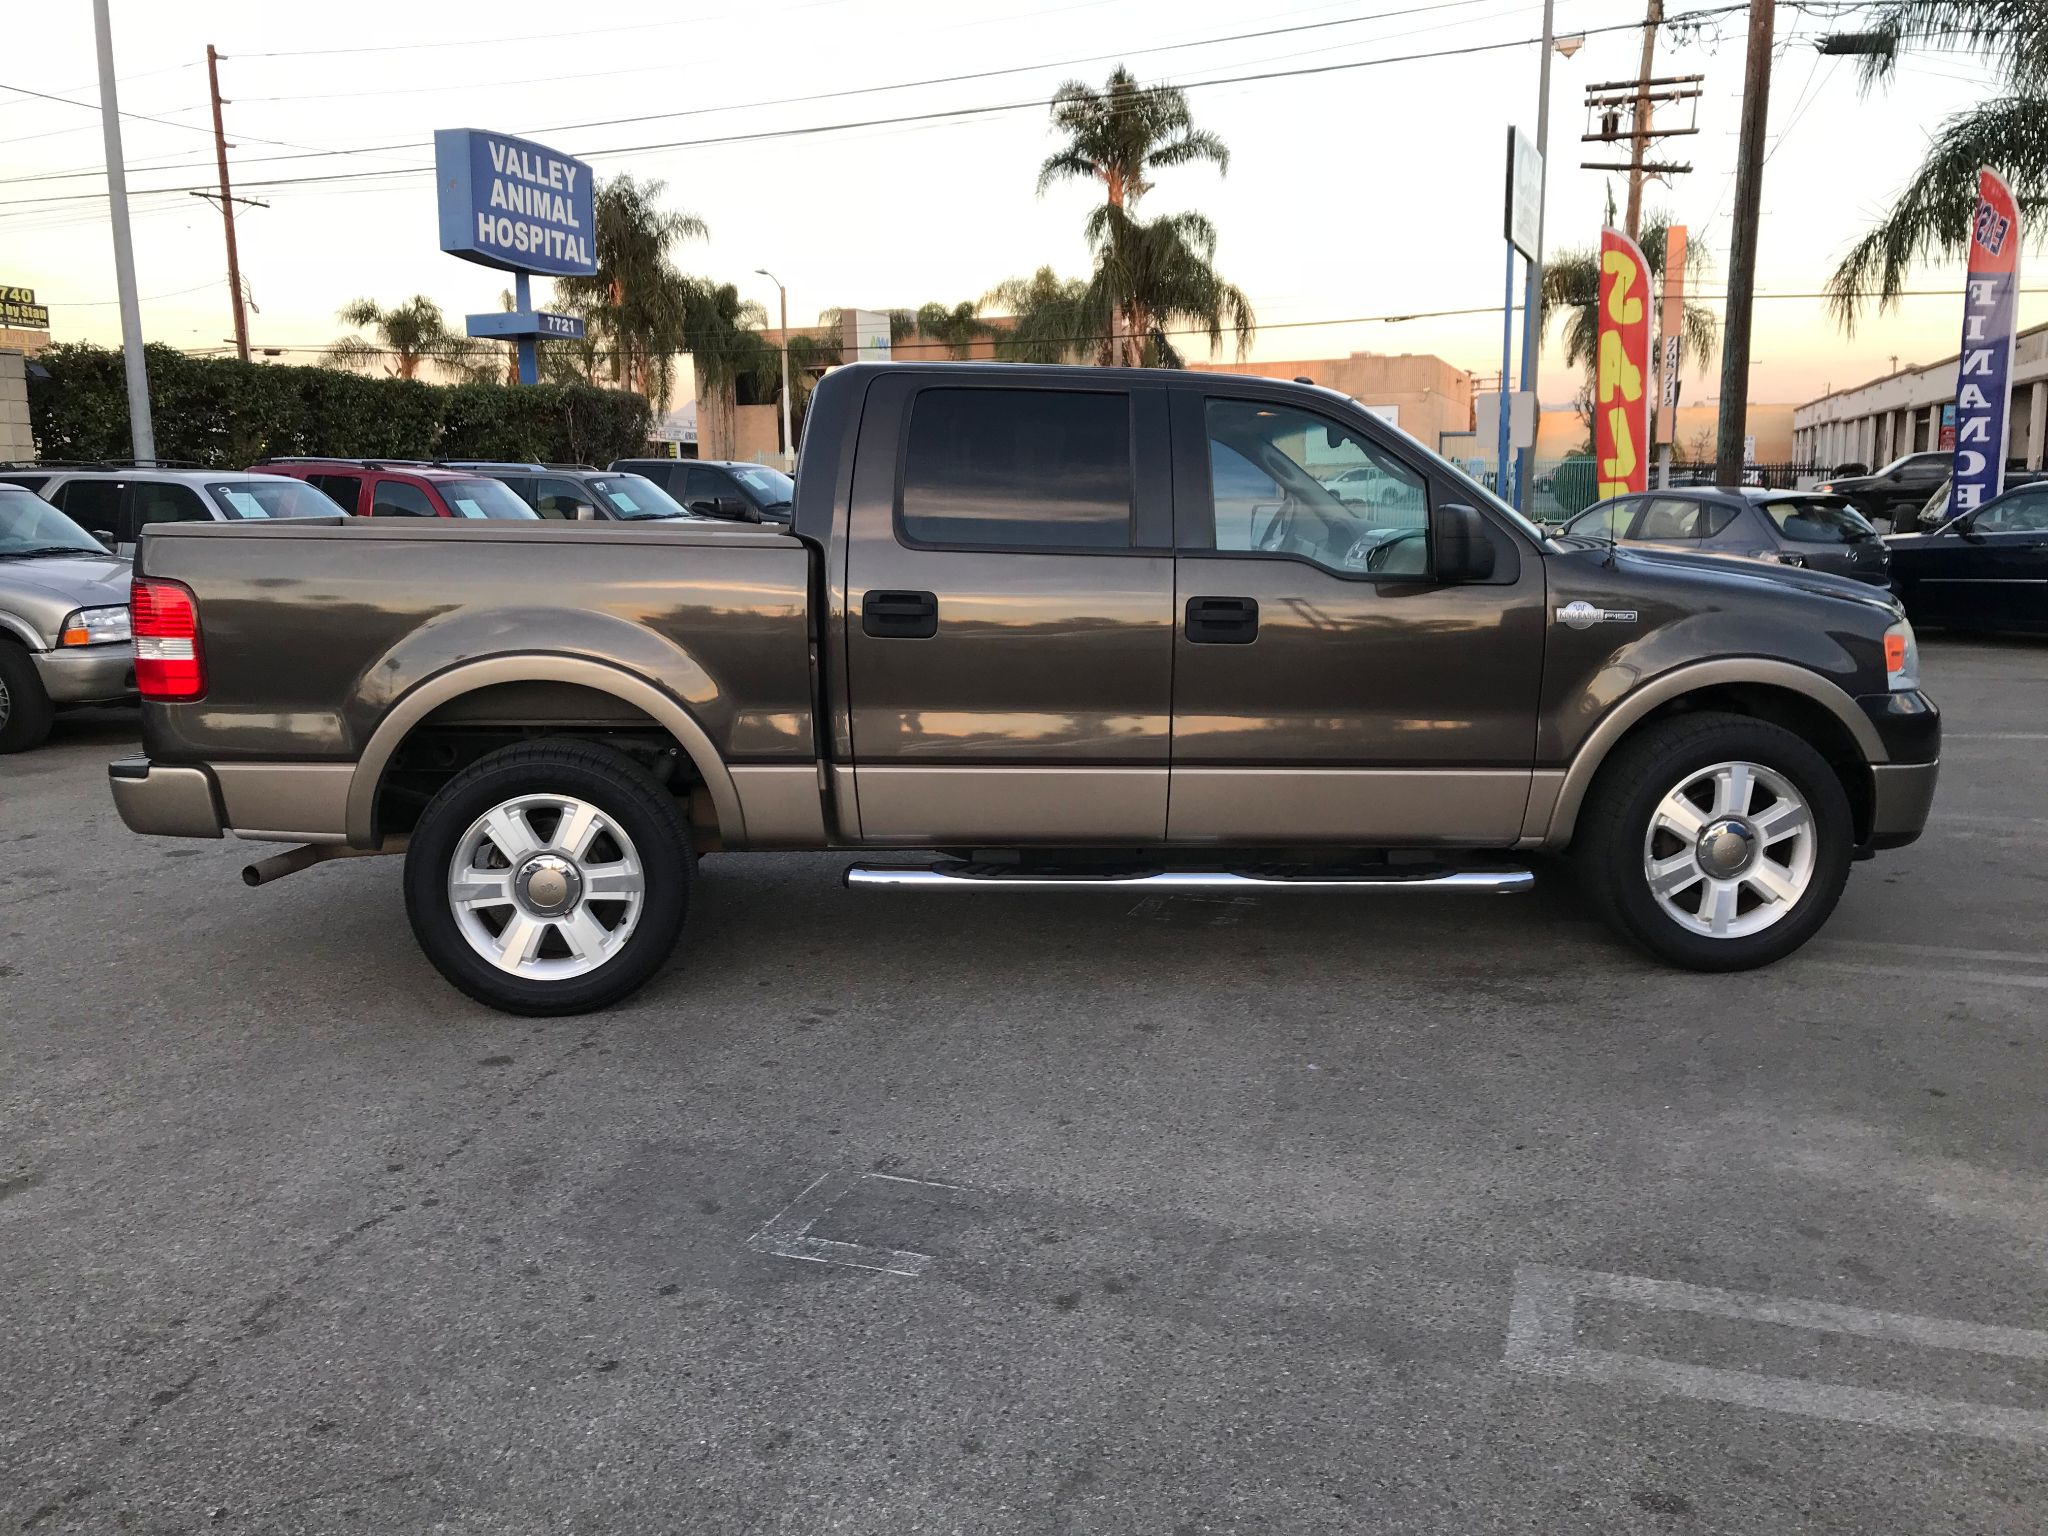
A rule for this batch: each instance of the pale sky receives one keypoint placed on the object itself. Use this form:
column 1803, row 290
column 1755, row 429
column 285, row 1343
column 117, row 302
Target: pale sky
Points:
column 1352, row 193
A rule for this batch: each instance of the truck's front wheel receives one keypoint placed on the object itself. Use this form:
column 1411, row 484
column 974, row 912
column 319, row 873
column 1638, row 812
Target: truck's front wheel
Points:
column 1717, row 842
column 549, row 878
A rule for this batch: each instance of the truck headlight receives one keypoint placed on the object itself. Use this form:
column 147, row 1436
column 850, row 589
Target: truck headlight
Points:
column 1901, row 658
column 94, row 626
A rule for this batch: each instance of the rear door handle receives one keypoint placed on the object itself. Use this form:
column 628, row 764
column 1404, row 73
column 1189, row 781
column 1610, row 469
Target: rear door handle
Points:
column 1222, row 620
column 899, row 615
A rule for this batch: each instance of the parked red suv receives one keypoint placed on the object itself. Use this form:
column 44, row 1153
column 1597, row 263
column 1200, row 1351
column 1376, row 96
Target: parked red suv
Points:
column 386, row 488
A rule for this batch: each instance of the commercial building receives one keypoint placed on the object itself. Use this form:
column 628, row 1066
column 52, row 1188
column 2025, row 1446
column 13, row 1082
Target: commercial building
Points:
column 1902, row 412
column 1422, row 395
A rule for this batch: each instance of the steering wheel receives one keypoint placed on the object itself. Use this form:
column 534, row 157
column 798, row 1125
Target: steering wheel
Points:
column 1376, row 560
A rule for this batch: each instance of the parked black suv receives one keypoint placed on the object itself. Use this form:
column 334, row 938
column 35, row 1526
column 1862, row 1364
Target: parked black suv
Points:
column 577, row 492
column 722, row 488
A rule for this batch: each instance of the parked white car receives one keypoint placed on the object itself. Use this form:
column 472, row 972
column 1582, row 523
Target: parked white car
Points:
column 114, row 504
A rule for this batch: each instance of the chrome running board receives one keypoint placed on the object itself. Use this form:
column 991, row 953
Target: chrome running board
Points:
column 987, row 877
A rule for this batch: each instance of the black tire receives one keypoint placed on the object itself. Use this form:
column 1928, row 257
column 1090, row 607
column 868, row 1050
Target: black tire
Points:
column 1614, row 823
column 25, row 709
column 623, row 792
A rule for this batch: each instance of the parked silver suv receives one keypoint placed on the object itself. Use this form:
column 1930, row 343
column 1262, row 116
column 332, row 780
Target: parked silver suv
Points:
column 63, row 619
column 114, row 504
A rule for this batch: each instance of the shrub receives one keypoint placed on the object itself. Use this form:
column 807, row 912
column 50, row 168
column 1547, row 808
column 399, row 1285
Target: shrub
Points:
column 224, row 414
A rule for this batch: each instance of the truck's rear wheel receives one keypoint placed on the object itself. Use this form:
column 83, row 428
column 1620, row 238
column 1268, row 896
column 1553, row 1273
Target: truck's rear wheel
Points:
column 1716, row 842
column 549, row 878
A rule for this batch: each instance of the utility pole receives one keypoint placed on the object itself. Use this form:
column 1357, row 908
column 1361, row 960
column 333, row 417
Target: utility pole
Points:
column 141, row 435
column 1639, row 139
column 1532, row 291
column 788, row 437
column 227, row 207
column 1749, row 173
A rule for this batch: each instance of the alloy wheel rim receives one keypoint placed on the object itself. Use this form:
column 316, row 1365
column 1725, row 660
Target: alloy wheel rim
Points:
column 546, row 887
column 6, row 704
column 1730, row 850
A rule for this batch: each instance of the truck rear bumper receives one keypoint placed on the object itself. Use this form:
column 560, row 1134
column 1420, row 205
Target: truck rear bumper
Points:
column 1905, row 794
column 163, row 800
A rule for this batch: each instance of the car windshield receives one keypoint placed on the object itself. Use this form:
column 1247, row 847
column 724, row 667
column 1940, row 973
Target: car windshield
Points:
column 484, row 498
column 771, row 486
column 1809, row 520
column 272, row 497
column 29, row 525
column 635, row 498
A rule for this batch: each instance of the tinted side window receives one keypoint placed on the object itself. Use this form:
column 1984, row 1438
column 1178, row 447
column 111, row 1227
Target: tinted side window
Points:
column 1716, row 516
column 557, row 498
column 92, row 504
column 1665, row 517
column 1046, row 469
column 1608, row 521
column 345, row 489
column 2021, row 512
column 397, row 499
column 156, row 503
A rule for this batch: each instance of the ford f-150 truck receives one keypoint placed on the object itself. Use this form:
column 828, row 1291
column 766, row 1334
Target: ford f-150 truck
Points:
column 1065, row 628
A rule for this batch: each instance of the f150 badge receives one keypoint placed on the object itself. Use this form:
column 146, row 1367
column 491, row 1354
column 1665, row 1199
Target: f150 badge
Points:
column 1581, row 614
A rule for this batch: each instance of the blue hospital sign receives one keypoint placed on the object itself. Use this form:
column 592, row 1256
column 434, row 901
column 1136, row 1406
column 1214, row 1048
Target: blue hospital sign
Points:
column 514, row 204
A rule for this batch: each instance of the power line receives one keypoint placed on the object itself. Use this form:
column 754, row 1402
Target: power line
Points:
column 1033, row 104
column 1085, row 340
column 864, row 90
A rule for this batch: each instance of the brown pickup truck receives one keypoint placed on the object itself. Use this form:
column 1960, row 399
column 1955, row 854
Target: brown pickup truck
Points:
column 1065, row 627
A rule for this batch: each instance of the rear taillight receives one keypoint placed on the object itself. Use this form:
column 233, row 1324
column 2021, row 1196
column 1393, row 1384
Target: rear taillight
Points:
column 169, row 665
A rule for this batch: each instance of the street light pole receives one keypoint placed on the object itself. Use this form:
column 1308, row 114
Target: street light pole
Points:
column 141, row 434
column 1532, row 294
column 788, row 437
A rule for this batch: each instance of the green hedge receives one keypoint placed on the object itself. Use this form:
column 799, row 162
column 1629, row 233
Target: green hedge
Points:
column 224, row 414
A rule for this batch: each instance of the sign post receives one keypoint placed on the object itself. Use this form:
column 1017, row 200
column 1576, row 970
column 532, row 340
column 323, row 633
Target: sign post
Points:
column 1621, row 396
column 522, row 208
column 1522, row 225
column 1671, row 344
column 1983, row 416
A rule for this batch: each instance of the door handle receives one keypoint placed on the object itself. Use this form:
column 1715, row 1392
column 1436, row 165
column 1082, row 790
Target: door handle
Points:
column 899, row 615
column 1222, row 620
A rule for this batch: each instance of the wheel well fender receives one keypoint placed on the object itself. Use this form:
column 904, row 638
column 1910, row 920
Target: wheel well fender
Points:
column 1800, row 700
column 450, row 685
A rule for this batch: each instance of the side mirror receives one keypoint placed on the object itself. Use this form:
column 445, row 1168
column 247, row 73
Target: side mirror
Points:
column 727, row 508
column 585, row 512
column 1463, row 551
column 107, row 540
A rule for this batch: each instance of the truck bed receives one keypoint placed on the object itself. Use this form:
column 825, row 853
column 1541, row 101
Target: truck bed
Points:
column 312, row 633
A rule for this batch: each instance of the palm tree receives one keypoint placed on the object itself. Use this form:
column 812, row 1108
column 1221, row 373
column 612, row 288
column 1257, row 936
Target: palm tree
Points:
column 723, row 336
column 1571, row 288
column 1148, row 275
column 1057, row 320
column 956, row 329
column 2007, row 132
column 408, row 334
column 637, row 302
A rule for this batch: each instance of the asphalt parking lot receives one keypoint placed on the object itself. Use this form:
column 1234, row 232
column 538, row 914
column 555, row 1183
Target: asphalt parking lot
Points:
column 888, row 1212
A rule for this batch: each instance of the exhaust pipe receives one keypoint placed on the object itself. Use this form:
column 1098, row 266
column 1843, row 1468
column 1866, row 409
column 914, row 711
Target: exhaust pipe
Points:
column 292, row 860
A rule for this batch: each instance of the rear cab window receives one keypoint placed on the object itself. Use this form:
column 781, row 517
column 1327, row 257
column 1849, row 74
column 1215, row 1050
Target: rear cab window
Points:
column 1032, row 469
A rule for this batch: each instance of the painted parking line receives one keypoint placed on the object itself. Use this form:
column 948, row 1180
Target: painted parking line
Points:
column 787, row 1234
column 1937, row 974
column 1949, row 736
column 1542, row 1341
column 1936, row 951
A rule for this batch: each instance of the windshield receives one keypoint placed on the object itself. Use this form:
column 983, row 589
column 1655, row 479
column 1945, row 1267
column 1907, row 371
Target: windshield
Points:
column 771, row 486
column 278, row 497
column 635, row 498
column 484, row 498
column 1811, row 521
column 29, row 525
